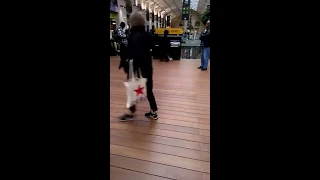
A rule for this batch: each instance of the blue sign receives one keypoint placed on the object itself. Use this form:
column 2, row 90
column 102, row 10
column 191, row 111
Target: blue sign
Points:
column 113, row 8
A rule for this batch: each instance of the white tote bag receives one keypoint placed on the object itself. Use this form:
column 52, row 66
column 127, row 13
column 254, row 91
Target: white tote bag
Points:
column 136, row 87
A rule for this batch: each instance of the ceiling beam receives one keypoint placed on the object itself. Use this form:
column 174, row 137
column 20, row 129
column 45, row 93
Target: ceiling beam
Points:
column 158, row 7
column 170, row 7
column 174, row 2
column 202, row 7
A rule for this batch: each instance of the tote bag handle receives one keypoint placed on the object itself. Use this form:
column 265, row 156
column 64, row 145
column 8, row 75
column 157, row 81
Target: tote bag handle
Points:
column 133, row 75
column 131, row 71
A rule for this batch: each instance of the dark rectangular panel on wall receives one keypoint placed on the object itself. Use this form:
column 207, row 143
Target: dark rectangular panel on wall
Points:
column 115, row 2
column 147, row 14
column 128, row 7
column 168, row 20
column 185, row 9
column 152, row 17
column 156, row 17
column 162, row 22
column 113, row 5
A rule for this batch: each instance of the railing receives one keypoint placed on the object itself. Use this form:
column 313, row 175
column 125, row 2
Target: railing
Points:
column 190, row 48
column 190, row 52
column 190, row 37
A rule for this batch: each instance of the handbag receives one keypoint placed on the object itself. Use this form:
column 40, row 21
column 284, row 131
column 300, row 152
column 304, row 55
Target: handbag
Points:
column 136, row 86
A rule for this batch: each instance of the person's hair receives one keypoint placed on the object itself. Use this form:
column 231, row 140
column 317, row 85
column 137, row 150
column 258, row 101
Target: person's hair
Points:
column 137, row 19
column 165, row 33
column 122, row 24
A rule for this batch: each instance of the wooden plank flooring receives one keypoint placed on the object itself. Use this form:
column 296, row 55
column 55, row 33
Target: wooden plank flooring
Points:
column 177, row 145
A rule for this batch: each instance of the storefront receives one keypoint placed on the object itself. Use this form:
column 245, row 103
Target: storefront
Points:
column 113, row 16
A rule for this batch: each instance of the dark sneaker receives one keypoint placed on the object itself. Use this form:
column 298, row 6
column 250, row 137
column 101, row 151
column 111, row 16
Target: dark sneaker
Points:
column 200, row 67
column 203, row 69
column 151, row 115
column 126, row 117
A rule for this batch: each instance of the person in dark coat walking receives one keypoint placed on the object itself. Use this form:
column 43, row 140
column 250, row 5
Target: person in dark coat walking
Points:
column 138, row 49
column 165, row 46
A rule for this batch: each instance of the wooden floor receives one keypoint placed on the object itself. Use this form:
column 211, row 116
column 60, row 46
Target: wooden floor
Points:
column 177, row 145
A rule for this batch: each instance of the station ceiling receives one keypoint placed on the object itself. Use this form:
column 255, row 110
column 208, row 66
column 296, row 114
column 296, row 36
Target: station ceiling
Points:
column 174, row 7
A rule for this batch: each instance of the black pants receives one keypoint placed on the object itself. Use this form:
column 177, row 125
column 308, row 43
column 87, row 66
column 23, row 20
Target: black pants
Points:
column 151, row 98
column 164, row 55
column 123, row 49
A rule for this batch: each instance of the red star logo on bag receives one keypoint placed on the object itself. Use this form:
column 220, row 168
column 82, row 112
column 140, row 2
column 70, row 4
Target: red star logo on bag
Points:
column 139, row 90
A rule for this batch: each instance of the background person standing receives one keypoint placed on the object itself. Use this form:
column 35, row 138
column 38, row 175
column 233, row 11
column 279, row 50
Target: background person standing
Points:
column 121, row 38
column 205, row 47
column 165, row 46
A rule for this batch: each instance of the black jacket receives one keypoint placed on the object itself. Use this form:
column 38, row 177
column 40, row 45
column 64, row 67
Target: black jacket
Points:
column 205, row 38
column 165, row 44
column 139, row 45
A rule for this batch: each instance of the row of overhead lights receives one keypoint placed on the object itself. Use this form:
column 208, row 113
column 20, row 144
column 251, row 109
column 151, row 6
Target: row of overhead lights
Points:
column 145, row 9
column 142, row 9
column 136, row 5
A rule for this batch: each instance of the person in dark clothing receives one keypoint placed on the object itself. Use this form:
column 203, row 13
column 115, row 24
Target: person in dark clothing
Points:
column 165, row 47
column 127, row 32
column 205, row 47
column 139, row 45
column 122, row 40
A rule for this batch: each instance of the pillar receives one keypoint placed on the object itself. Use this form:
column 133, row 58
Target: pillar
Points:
column 185, row 23
column 147, row 16
column 155, row 19
column 152, row 18
column 134, row 5
column 122, row 12
column 159, row 22
column 163, row 21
